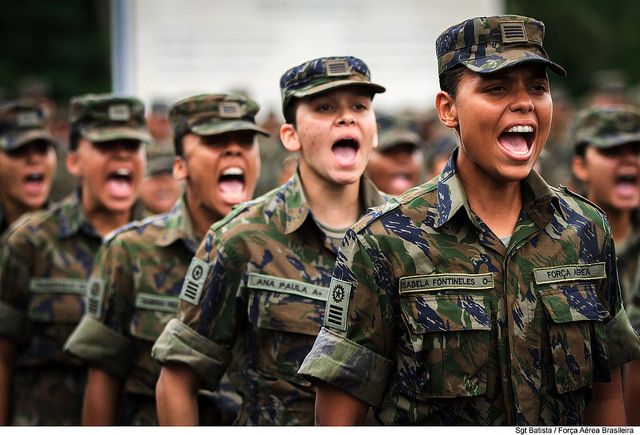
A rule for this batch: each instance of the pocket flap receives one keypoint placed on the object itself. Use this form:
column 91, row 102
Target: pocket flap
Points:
column 573, row 304
column 285, row 312
column 443, row 313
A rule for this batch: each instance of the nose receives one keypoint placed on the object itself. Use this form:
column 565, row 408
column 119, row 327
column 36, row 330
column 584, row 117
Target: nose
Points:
column 522, row 100
column 345, row 116
column 232, row 149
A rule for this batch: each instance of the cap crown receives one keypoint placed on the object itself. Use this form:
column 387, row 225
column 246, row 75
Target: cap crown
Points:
column 487, row 44
column 21, row 115
column 105, row 110
column 604, row 127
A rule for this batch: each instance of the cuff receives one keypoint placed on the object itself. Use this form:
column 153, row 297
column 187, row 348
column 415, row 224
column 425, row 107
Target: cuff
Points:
column 13, row 323
column 180, row 344
column 623, row 344
column 347, row 365
column 98, row 345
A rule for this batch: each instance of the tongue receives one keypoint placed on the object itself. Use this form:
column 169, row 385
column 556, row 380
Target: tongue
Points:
column 34, row 187
column 232, row 191
column 514, row 143
column 119, row 188
column 344, row 155
column 401, row 183
column 626, row 189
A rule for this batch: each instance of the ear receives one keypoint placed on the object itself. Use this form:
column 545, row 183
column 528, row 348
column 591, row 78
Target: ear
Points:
column 73, row 164
column 446, row 108
column 180, row 171
column 289, row 138
column 579, row 168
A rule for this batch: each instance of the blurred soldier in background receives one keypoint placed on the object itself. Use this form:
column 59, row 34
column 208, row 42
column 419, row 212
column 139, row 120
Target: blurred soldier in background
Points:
column 140, row 269
column 396, row 164
column 47, row 259
column 27, row 160
column 159, row 190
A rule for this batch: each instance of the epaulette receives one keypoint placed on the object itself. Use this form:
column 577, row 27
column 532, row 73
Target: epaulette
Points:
column 126, row 227
column 235, row 211
column 569, row 192
column 417, row 191
column 374, row 213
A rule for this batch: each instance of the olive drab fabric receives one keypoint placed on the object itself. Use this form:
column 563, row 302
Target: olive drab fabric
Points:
column 436, row 321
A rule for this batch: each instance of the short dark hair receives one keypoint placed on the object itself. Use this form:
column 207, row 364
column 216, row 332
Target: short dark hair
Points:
column 177, row 144
column 449, row 79
column 290, row 111
column 74, row 137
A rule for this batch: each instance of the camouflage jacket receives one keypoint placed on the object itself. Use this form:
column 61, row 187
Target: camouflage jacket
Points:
column 132, row 294
column 432, row 320
column 629, row 263
column 256, row 290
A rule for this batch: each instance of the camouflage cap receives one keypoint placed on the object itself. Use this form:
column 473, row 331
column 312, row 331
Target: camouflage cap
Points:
column 106, row 117
column 319, row 75
column 488, row 44
column 160, row 157
column 211, row 114
column 394, row 131
column 606, row 127
column 21, row 122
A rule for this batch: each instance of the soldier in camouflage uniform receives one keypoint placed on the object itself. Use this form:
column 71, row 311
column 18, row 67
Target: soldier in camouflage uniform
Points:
column 257, row 287
column 46, row 261
column 396, row 165
column 606, row 161
column 27, row 160
column 139, row 271
column 484, row 296
column 159, row 190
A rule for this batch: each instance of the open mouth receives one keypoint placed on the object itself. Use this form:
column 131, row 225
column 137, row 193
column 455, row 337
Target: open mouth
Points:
column 400, row 182
column 627, row 184
column 345, row 151
column 231, row 184
column 120, row 182
column 517, row 140
column 34, row 182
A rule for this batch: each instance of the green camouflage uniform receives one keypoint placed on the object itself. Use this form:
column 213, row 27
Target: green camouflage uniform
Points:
column 264, row 293
column 132, row 294
column 431, row 319
column 604, row 128
column 46, row 260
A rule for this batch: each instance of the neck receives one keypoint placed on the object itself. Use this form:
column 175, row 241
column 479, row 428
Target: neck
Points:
column 497, row 203
column 13, row 211
column 333, row 205
column 103, row 220
column 201, row 217
column 620, row 221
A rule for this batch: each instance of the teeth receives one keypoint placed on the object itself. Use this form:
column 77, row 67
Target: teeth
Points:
column 124, row 172
column 520, row 129
column 233, row 171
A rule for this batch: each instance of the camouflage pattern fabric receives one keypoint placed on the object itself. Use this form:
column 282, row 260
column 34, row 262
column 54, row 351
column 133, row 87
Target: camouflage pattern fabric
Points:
column 106, row 117
column 132, row 294
column 320, row 75
column 629, row 264
column 45, row 263
column 256, row 292
column 488, row 44
column 210, row 114
column 606, row 127
column 432, row 320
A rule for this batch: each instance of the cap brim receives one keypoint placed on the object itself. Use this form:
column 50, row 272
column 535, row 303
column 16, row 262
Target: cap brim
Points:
column 159, row 164
column 617, row 140
column 220, row 127
column 115, row 133
column 307, row 92
column 27, row 136
column 506, row 59
column 391, row 141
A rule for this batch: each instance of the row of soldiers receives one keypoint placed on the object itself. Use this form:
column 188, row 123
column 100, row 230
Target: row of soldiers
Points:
column 483, row 296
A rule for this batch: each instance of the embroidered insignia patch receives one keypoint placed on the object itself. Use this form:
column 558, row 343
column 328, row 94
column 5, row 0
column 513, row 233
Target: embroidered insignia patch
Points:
column 95, row 296
column 335, row 315
column 194, row 281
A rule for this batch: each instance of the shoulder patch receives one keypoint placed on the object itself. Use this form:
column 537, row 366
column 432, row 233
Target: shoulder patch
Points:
column 335, row 315
column 95, row 296
column 194, row 281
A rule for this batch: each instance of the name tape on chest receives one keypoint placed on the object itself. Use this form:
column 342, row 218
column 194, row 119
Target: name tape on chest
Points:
column 569, row 272
column 95, row 296
column 335, row 314
column 149, row 301
column 194, row 281
column 445, row 281
column 58, row 285
column 289, row 286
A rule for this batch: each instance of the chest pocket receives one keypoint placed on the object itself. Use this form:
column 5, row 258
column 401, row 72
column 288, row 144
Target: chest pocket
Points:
column 286, row 316
column 56, row 300
column 450, row 336
column 152, row 313
column 576, row 332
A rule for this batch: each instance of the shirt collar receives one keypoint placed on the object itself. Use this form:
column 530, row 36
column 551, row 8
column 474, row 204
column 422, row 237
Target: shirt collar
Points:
column 297, row 209
column 72, row 218
column 177, row 226
column 536, row 196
